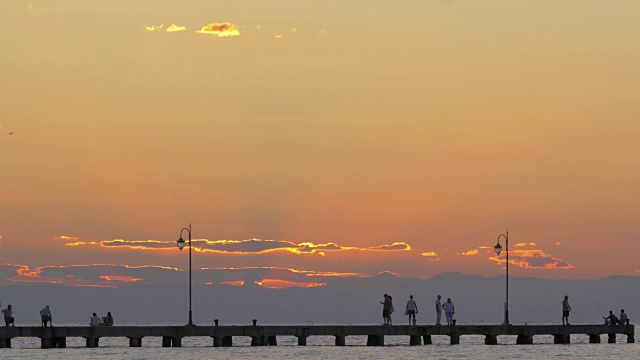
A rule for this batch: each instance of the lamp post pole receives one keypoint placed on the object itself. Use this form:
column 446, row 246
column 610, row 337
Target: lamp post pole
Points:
column 180, row 246
column 498, row 249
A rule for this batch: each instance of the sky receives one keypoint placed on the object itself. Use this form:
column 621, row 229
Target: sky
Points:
column 318, row 137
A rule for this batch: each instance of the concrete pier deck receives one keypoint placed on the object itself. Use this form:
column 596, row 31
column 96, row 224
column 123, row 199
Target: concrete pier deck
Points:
column 55, row 337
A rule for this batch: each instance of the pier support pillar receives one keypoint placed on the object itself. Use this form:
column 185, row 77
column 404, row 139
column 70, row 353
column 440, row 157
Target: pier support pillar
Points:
column 375, row 340
column 258, row 341
column 92, row 342
column 135, row 342
column 166, row 341
column 426, row 339
column 340, row 340
column 561, row 339
column 176, row 342
column 594, row 338
column 455, row 339
column 60, row 342
column 271, row 340
column 612, row 339
column 216, row 341
column 46, row 343
column 491, row 340
column 630, row 339
column 227, row 341
column 415, row 340
column 5, row 343
column 302, row 341
column 525, row 340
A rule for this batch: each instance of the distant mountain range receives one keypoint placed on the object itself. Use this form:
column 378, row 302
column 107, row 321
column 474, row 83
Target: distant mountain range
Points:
column 344, row 300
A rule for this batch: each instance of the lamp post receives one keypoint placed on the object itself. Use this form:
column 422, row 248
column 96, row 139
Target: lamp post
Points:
column 180, row 246
column 498, row 249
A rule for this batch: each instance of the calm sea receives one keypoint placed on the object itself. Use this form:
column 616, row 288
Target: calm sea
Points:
column 471, row 347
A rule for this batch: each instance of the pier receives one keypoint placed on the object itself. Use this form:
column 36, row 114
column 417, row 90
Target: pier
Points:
column 55, row 337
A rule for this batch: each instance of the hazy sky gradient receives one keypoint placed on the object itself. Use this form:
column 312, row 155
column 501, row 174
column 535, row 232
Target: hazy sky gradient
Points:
column 435, row 124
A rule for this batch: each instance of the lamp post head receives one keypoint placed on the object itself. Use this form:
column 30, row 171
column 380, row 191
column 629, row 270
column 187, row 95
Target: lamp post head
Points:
column 498, row 248
column 180, row 243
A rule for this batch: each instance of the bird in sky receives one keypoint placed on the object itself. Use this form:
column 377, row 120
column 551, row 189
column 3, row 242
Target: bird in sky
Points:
column 11, row 133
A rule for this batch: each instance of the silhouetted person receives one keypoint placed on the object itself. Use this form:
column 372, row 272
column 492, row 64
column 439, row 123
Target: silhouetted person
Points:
column 611, row 319
column 8, row 316
column 386, row 307
column 566, row 308
column 438, row 310
column 107, row 320
column 624, row 320
column 95, row 320
column 45, row 315
column 449, row 310
column 412, row 309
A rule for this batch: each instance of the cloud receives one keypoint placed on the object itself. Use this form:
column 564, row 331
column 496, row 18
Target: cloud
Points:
column 220, row 29
column 174, row 28
column 470, row 252
column 533, row 259
column 153, row 27
column 238, row 247
column 283, row 284
column 525, row 244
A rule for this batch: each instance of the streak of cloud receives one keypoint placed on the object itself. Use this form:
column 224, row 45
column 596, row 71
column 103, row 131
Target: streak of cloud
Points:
column 470, row 252
column 154, row 27
column 533, row 259
column 224, row 29
column 175, row 28
column 284, row 284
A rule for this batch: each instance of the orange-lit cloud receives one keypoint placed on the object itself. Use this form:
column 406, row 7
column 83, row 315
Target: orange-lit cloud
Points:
column 245, row 247
column 558, row 243
column 154, row 27
column 236, row 283
column 174, row 28
column 283, row 284
column 430, row 254
column 220, row 29
column 525, row 244
column 278, row 36
column 120, row 278
column 470, row 252
column 533, row 259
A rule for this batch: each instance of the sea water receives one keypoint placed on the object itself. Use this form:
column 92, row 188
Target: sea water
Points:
column 322, row 347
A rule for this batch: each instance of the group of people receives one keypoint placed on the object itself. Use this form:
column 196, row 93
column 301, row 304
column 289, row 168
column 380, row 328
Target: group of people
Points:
column 411, row 309
column 47, row 318
column 105, row 321
column 614, row 320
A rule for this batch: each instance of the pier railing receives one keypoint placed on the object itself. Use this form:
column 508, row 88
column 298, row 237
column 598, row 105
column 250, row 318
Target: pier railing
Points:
column 55, row 337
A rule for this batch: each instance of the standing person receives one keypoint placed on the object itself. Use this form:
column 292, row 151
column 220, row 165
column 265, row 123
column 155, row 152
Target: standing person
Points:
column 566, row 308
column 449, row 310
column 438, row 310
column 391, row 309
column 45, row 315
column 412, row 309
column 386, row 306
column 624, row 320
column 8, row 316
column 95, row 320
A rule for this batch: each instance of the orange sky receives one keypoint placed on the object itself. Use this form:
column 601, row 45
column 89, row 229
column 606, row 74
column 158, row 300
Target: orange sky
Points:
column 327, row 136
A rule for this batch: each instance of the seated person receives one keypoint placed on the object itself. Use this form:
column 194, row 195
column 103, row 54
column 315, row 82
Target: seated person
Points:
column 611, row 319
column 45, row 315
column 95, row 320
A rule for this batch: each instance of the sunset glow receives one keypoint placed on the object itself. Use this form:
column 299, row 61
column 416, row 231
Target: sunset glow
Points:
column 316, row 143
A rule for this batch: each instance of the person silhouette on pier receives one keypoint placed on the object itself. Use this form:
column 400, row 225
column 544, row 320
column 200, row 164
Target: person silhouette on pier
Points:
column 412, row 309
column 8, row 316
column 624, row 320
column 449, row 310
column 45, row 315
column 386, row 308
column 95, row 320
column 611, row 319
column 438, row 310
column 566, row 308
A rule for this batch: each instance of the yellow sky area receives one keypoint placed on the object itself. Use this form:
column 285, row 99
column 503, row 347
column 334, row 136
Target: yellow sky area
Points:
column 438, row 127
